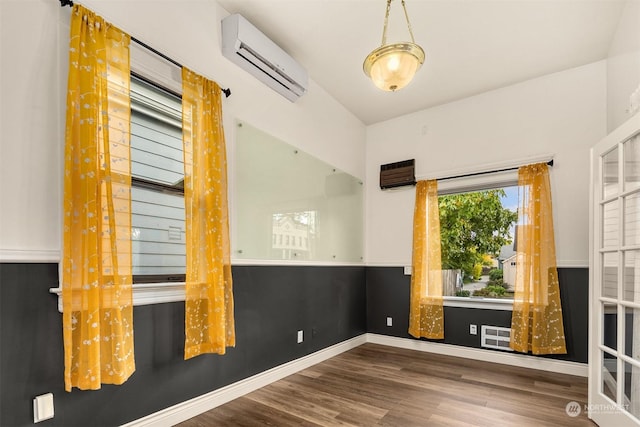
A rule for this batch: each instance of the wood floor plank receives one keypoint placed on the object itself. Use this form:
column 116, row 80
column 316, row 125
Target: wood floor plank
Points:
column 375, row 385
column 243, row 412
column 305, row 409
column 331, row 401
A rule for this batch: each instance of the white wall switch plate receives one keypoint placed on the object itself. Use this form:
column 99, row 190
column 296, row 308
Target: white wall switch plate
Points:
column 407, row 270
column 389, row 321
column 43, row 407
column 300, row 337
column 473, row 329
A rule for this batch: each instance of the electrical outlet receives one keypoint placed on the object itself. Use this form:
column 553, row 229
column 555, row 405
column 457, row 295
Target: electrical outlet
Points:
column 389, row 321
column 43, row 407
column 300, row 337
column 473, row 329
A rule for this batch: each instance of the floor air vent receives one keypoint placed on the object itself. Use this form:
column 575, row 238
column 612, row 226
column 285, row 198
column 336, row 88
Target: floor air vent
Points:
column 495, row 337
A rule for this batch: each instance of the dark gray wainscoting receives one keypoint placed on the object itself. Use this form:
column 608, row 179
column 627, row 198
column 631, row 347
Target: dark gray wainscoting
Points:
column 330, row 304
column 388, row 296
column 271, row 304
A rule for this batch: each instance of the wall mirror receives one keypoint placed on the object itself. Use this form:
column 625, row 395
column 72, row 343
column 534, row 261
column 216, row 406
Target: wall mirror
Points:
column 292, row 206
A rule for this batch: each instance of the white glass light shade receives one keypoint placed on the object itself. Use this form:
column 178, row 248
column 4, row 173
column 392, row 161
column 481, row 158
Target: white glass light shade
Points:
column 392, row 66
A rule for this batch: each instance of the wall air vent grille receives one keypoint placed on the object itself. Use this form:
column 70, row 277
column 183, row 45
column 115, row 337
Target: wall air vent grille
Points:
column 495, row 337
column 397, row 174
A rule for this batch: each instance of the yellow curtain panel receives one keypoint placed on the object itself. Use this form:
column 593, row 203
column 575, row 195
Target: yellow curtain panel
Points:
column 209, row 323
column 426, row 316
column 96, row 260
column 536, row 324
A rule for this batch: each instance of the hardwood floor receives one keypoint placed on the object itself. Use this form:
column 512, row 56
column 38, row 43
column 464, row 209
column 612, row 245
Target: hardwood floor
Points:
column 375, row 385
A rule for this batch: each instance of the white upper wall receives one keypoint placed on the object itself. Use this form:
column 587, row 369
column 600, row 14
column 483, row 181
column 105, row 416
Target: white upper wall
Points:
column 33, row 86
column 562, row 115
column 623, row 66
column 32, row 122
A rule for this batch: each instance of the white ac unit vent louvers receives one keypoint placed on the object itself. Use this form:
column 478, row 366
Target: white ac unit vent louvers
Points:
column 495, row 337
column 250, row 49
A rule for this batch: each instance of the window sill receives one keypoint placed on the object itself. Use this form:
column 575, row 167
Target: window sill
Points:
column 145, row 293
column 157, row 293
column 479, row 302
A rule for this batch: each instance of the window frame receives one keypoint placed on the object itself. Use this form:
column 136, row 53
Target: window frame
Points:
column 147, row 184
column 488, row 181
column 155, row 70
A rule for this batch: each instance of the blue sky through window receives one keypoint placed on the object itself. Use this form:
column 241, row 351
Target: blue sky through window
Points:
column 510, row 201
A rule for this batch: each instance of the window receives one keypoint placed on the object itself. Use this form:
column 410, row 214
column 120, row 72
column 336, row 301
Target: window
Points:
column 157, row 194
column 477, row 231
column 157, row 191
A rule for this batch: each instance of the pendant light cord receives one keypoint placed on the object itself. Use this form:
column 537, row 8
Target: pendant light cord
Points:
column 406, row 15
column 386, row 22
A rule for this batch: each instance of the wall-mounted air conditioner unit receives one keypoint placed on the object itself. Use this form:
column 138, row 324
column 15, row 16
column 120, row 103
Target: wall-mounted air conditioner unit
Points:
column 250, row 49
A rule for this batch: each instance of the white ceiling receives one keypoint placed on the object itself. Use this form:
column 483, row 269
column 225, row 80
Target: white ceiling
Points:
column 471, row 46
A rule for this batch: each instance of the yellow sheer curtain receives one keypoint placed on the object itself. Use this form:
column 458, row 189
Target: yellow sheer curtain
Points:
column 96, row 260
column 536, row 324
column 426, row 317
column 209, row 324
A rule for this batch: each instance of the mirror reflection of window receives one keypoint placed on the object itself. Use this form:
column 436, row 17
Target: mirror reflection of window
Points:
column 291, row 234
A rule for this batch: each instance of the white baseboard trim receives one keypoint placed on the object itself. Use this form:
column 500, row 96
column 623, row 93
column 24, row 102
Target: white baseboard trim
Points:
column 198, row 405
column 504, row 358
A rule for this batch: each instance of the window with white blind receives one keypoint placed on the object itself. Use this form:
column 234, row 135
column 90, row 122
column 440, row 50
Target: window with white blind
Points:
column 157, row 193
column 157, row 172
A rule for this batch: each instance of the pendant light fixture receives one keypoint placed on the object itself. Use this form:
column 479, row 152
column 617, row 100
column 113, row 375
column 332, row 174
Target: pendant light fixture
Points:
column 392, row 66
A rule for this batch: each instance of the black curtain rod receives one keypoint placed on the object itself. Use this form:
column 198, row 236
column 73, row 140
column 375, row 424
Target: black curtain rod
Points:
column 227, row 91
column 550, row 163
